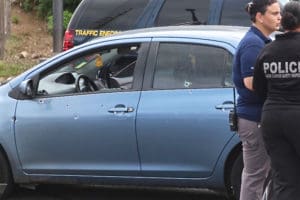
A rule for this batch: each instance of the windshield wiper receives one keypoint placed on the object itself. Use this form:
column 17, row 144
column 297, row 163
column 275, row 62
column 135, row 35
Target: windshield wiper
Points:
column 195, row 20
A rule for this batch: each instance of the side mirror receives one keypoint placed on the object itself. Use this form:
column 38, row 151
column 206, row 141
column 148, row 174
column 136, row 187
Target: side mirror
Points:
column 26, row 88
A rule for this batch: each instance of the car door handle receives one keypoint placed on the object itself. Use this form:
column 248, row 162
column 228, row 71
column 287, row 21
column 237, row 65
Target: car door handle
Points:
column 121, row 108
column 226, row 105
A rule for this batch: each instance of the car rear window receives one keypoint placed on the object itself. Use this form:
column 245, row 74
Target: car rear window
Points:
column 183, row 12
column 108, row 15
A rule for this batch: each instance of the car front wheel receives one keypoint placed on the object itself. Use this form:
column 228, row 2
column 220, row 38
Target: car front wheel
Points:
column 6, row 181
column 235, row 177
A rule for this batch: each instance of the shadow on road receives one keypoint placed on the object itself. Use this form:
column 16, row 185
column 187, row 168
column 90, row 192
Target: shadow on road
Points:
column 63, row 192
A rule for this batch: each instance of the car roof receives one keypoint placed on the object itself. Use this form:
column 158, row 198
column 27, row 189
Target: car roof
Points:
column 232, row 34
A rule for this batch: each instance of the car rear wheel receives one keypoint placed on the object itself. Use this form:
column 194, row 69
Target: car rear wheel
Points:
column 6, row 181
column 235, row 177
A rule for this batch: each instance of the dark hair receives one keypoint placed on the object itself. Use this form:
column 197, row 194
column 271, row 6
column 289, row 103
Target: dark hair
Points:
column 291, row 15
column 256, row 6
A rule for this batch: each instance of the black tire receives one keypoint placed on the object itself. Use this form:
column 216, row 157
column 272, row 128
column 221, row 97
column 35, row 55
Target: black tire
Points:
column 235, row 177
column 6, row 181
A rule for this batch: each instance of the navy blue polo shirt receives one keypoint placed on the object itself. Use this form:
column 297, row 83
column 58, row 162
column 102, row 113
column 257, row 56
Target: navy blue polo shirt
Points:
column 249, row 105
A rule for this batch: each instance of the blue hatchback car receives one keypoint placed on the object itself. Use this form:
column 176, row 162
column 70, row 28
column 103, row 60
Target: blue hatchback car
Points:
column 144, row 107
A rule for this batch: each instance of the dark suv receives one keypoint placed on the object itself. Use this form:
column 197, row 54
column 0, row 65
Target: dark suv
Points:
column 94, row 18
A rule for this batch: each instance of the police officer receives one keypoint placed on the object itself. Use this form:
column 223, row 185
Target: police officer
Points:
column 265, row 17
column 277, row 77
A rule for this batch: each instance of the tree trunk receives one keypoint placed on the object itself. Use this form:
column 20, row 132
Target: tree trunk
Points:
column 7, row 17
column 5, row 9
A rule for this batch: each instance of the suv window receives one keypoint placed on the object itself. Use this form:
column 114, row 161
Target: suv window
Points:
column 233, row 13
column 180, row 66
column 108, row 15
column 183, row 12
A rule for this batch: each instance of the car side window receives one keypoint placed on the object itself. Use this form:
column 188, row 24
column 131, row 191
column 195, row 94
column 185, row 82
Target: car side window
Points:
column 106, row 70
column 183, row 65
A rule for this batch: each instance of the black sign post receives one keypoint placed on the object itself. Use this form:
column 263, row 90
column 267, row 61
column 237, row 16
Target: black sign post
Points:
column 57, row 25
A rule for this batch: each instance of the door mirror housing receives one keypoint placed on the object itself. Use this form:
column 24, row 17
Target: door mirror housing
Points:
column 26, row 88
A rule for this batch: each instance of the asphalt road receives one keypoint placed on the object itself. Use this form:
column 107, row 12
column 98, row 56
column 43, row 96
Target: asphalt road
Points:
column 50, row 192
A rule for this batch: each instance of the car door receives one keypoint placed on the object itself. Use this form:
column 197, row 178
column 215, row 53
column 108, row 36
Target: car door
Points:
column 182, row 121
column 69, row 128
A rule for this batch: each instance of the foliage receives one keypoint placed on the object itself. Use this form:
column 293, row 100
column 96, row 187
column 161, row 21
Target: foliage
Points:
column 71, row 5
column 67, row 16
column 15, row 20
column 27, row 5
column 44, row 7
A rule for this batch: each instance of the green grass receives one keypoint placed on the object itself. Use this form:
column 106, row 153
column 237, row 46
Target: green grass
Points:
column 8, row 69
column 11, row 65
column 15, row 20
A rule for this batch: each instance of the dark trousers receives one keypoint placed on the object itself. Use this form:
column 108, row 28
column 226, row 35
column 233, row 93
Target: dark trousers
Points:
column 281, row 134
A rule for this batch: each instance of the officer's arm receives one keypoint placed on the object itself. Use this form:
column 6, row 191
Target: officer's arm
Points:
column 248, row 82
